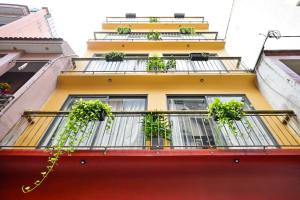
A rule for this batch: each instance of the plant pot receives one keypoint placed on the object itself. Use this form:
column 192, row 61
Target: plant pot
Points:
column 114, row 59
column 215, row 117
column 102, row 115
column 199, row 56
column 157, row 143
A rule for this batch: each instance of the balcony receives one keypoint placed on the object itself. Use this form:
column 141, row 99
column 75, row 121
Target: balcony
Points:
column 188, row 130
column 165, row 36
column 163, row 23
column 19, row 74
column 124, row 20
column 138, row 64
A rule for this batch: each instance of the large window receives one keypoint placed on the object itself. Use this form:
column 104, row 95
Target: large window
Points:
column 197, row 130
column 126, row 130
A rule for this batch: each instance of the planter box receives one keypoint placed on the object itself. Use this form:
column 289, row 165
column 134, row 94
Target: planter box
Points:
column 130, row 15
column 114, row 59
column 102, row 115
column 179, row 15
column 157, row 143
column 199, row 56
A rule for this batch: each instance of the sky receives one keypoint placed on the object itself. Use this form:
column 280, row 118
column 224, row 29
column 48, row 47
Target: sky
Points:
column 75, row 21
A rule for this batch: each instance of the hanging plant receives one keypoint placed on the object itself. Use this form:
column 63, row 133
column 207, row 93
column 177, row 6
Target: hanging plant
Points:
column 5, row 88
column 124, row 30
column 226, row 113
column 153, row 19
column 158, row 64
column 188, row 31
column 156, row 125
column 153, row 35
column 82, row 112
column 114, row 56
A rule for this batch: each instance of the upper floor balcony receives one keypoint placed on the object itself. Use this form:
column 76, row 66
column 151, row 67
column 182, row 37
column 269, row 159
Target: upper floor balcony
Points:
column 169, row 63
column 163, row 36
column 158, row 22
column 18, row 77
column 113, row 41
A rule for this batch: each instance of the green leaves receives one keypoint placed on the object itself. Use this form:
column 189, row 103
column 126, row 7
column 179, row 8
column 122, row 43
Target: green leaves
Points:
column 186, row 30
column 153, row 35
column 153, row 19
column 226, row 113
column 158, row 64
column 114, row 56
column 82, row 112
column 123, row 30
column 155, row 125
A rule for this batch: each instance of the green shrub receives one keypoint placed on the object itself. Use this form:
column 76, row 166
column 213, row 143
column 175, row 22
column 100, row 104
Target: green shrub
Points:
column 114, row 56
column 153, row 19
column 124, row 30
column 158, row 64
column 187, row 31
column 226, row 112
column 155, row 125
column 153, row 35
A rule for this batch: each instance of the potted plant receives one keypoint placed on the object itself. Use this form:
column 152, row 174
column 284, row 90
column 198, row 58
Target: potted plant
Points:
column 226, row 113
column 153, row 19
column 186, row 30
column 123, row 30
column 156, row 63
column 82, row 112
column 153, row 35
column 157, row 130
column 114, row 56
column 5, row 88
column 199, row 56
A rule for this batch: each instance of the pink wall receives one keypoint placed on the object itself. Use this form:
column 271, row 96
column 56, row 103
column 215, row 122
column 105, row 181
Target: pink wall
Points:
column 32, row 25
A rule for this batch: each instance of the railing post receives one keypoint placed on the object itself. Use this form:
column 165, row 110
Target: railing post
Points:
column 238, row 63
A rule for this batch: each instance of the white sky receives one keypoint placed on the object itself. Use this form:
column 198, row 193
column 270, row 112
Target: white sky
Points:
column 75, row 21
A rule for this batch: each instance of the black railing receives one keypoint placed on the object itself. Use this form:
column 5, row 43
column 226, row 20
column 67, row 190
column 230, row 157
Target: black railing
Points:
column 164, row 36
column 187, row 20
column 4, row 100
column 136, row 64
column 188, row 130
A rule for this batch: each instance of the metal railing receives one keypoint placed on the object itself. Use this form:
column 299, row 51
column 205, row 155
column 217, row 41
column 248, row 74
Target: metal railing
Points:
column 136, row 64
column 165, row 36
column 187, row 20
column 188, row 130
column 4, row 100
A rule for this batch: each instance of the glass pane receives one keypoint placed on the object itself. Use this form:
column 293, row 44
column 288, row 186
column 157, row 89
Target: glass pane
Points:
column 126, row 130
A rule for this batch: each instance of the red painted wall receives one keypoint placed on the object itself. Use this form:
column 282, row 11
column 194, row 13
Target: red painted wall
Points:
column 209, row 175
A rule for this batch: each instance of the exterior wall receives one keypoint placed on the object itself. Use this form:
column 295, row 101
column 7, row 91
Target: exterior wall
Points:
column 32, row 25
column 156, row 87
column 156, row 45
column 280, row 88
column 33, row 94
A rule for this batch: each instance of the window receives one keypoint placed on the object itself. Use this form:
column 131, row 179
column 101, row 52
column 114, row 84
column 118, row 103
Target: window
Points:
column 126, row 130
column 293, row 64
column 197, row 130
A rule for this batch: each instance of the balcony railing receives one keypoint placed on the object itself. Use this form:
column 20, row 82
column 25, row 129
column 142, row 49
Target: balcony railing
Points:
column 189, row 130
column 187, row 20
column 165, row 36
column 136, row 64
column 4, row 100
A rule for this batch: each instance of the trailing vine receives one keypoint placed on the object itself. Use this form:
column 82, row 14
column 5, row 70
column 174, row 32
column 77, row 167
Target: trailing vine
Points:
column 82, row 112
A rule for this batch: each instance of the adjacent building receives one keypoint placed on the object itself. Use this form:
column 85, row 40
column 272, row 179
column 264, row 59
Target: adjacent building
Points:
column 197, row 159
